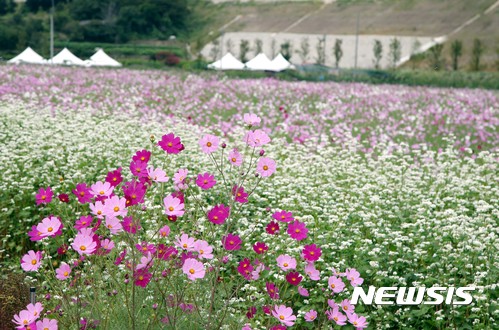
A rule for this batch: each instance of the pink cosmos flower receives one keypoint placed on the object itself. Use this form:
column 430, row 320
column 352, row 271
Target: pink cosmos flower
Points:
column 34, row 234
column 107, row 245
column 165, row 252
column 218, row 214
column 203, row 249
column 171, row 144
column 310, row 316
column 231, row 242
column 114, row 177
column 209, row 143
column 120, row 257
column 35, row 309
column 97, row 209
column 286, row 262
column 293, row 278
column 44, row 196
column 30, row 262
column 313, row 273
column 115, row 207
column 164, row 231
column 142, row 155
column 354, row 277
column 283, row 216
column 145, row 261
column 185, row 242
column 359, row 322
column 272, row 290
column 335, row 284
column 251, row 119
column 255, row 274
column 49, row 226
column 47, row 324
column 297, row 230
column 246, row 327
column 240, row 195
column 336, row 316
column 139, row 168
column 272, row 228
column 173, row 206
column 101, row 189
column 205, row 181
column 130, row 226
column 157, row 175
column 193, row 269
column 146, row 248
column 179, row 179
column 245, row 268
column 83, row 222
column 303, row 292
column 235, row 158
column 24, row 318
column 266, row 167
column 311, row 252
column 257, row 138
column 114, row 225
column 284, row 315
column 260, row 247
column 278, row 327
column 83, row 193
column 84, row 244
column 63, row 271
column 347, row 307
column 142, row 277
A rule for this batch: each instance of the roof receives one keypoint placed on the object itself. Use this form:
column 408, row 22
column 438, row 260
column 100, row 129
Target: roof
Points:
column 228, row 62
column 100, row 58
column 260, row 63
column 28, row 56
column 65, row 57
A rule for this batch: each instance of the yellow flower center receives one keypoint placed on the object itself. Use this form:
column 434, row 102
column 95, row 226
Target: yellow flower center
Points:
column 312, row 253
column 83, row 247
column 335, row 318
column 44, row 197
column 171, row 208
column 345, row 307
column 215, row 217
column 285, row 264
column 355, row 323
column 208, row 144
column 333, row 286
column 184, row 246
column 116, row 209
column 234, row 159
column 82, row 194
column 66, row 273
column 115, row 179
column 99, row 212
column 297, row 230
column 169, row 144
column 101, row 192
column 281, row 317
column 192, row 271
column 50, row 229
column 33, row 262
column 144, row 248
column 231, row 242
column 201, row 251
column 138, row 169
column 312, row 317
column 134, row 196
column 142, row 158
column 205, row 181
column 141, row 278
column 84, row 222
column 265, row 167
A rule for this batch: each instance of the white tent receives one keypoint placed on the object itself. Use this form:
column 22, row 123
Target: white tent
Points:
column 28, row 56
column 260, row 62
column 279, row 63
column 100, row 58
column 228, row 62
column 65, row 57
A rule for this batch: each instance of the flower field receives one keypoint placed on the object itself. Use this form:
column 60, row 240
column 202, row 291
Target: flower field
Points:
column 244, row 221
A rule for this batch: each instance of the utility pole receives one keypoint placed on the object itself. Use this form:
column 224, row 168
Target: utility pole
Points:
column 222, row 49
column 357, row 40
column 52, row 32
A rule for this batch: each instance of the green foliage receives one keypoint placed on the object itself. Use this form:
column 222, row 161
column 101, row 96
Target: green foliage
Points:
column 476, row 54
column 13, row 297
column 321, row 51
column 243, row 50
column 378, row 53
column 7, row 6
column 304, row 50
column 395, row 51
column 435, row 55
column 338, row 52
column 456, row 51
column 287, row 50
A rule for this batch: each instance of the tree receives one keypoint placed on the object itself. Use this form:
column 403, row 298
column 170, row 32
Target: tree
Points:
column 378, row 53
column 287, row 50
column 7, row 6
column 304, row 50
column 273, row 48
column 395, row 52
column 321, row 50
column 258, row 46
column 456, row 49
column 476, row 54
column 229, row 45
column 435, row 55
column 215, row 49
column 243, row 50
column 338, row 52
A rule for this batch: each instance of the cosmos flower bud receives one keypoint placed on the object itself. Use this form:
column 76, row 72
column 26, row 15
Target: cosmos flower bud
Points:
column 224, row 145
column 152, row 138
column 262, row 152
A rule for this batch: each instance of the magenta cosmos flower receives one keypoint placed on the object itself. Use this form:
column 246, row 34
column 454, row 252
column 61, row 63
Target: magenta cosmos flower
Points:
column 286, row 262
column 101, row 189
column 63, row 198
column 294, row 278
column 284, row 315
column 283, row 216
column 245, row 268
column 335, row 284
column 30, row 262
column 173, row 206
column 272, row 228
column 303, row 292
column 134, row 192
column 311, row 252
column 218, row 214
column 359, row 322
column 44, row 196
column 266, row 167
column 138, row 168
column 142, row 277
column 260, row 247
column 47, row 324
column 239, row 194
column 164, row 231
column 142, row 155
column 84, row 244
column 251, row 119
column 209, row 143
column 310, row 316
column 235, row 158
column 354, row 277
column 193, row 269
column 114, row 177
column 297, row 230
column 171, row 144
column 272, row 290
column 205, row 181
column 231, row 242
column 49, row 227
column 83, row 193
column 63, row 271
column 83, row 222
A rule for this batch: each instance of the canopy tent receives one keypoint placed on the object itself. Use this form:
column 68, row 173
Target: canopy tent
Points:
column 28, row 56
column 260, row 63
column 279, row 63
column 65, row 57
column 228, row 62
column 100, row 58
